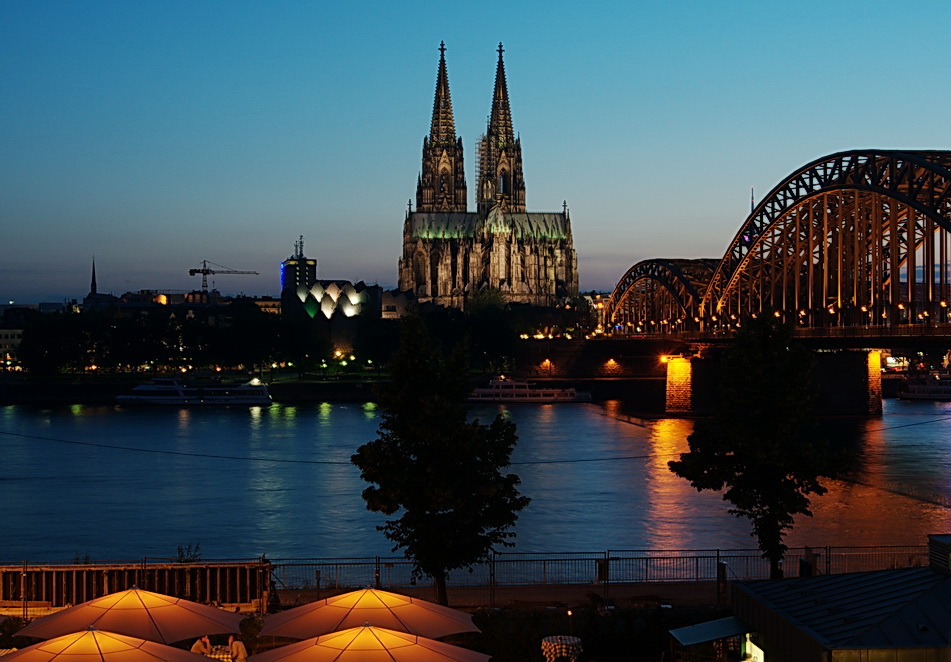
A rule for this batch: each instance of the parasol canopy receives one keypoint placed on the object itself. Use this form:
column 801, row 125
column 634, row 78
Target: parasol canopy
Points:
column 372, row 607
column 98, row 646
column 138, row 613
column 369, row 644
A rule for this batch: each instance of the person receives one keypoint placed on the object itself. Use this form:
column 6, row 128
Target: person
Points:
column 238, row 652
column 202, row 646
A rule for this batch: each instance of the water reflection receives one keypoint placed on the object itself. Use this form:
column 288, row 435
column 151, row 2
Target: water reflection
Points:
column 279, row 481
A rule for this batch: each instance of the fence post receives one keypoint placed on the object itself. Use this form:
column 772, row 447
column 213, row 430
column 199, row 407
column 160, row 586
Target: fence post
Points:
column 26, row 608
column 492, row 579
column 721, row 582
column 828, row 561
column 376, row 573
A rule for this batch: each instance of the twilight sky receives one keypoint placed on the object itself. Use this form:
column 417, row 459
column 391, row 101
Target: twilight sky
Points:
column 155, row 134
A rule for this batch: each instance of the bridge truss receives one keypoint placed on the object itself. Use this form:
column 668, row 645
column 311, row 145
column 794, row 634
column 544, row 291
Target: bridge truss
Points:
column 857, row 238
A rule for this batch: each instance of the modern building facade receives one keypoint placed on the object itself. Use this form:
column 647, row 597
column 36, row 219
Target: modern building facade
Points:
column 298, row 270
column 450, row 253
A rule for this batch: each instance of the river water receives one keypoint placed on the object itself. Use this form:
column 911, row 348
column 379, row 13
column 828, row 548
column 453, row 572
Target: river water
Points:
column 122, row 484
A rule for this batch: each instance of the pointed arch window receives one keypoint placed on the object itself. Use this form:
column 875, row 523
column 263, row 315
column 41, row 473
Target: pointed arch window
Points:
column 505, row 187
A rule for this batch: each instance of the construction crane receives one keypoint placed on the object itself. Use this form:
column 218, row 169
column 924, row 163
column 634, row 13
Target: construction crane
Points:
column 204, row 270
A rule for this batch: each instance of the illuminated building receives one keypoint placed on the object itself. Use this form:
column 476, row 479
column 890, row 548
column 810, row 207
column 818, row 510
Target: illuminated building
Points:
column 450, row 253
column 298, row 270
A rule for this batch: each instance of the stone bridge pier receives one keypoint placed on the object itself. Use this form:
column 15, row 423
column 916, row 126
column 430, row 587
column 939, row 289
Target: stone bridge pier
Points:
column 848, row 382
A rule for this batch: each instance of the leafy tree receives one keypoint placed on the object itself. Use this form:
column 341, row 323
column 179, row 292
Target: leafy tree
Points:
column 440, row 472
column 760, row 446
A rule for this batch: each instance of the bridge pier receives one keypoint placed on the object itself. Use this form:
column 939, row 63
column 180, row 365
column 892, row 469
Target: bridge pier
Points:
column 847, row 383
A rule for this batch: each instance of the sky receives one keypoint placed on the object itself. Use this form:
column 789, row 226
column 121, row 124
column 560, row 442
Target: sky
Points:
column 153, row 135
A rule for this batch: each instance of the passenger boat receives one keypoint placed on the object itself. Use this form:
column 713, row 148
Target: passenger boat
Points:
column 176, row 392
column 510, row 391
column 931, row 388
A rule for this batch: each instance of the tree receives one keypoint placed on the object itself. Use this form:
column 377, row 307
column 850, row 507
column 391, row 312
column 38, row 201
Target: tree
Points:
column 761, row 445
column 442, row 473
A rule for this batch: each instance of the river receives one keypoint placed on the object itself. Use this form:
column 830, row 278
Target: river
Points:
column 116, row 484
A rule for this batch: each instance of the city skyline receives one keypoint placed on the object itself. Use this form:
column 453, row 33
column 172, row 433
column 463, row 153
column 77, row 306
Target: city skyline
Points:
column 158, row 135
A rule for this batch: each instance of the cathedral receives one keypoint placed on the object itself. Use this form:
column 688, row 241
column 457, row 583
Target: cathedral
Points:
column 450, row 253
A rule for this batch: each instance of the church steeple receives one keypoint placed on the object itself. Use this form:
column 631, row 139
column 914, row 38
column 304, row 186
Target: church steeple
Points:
column 92, row 284
column 500, row 120
column 443, row 131
column 500, row 154
column 441, row 185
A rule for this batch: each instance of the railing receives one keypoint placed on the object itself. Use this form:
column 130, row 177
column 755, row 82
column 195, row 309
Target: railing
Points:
column 612, row 566
column 252, row 582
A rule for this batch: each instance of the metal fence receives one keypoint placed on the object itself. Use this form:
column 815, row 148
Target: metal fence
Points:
column 523, row 577
column 612, row 566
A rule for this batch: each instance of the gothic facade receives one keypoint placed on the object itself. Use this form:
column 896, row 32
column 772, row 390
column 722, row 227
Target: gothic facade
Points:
column 449, row 253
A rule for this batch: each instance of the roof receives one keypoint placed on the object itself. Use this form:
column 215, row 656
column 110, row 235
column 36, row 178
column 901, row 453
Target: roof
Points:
column 721, row 628
column 904, row 608
column 458, row 225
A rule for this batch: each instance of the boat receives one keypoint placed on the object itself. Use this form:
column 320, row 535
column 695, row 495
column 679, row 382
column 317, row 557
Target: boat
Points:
column 182, row 394
column 511, row 391
column 937, row 387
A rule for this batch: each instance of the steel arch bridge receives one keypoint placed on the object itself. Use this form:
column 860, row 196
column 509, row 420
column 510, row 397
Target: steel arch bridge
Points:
column 857, row 238
column 660, row 293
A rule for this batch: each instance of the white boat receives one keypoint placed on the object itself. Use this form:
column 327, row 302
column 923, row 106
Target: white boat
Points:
column 930, row 388
column 176, row 392
column 510, row 391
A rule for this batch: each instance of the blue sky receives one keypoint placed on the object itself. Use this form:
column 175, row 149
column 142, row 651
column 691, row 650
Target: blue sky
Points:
column 157, row 134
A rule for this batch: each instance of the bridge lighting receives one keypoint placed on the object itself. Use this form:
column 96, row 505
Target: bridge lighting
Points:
column 864, row 309
column 777, row 314
column 944, row 304
column 901, row 306
column 696, row 319
column 802, row 313
column 831, row 310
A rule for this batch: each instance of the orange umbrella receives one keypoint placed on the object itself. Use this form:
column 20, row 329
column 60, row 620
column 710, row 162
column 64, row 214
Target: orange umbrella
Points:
column 372, row 607
column 99, row 646
column 138, row 613
column 369, row 644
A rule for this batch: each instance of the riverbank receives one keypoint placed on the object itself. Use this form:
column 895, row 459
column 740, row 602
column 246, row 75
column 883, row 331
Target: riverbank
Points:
column 644, row 395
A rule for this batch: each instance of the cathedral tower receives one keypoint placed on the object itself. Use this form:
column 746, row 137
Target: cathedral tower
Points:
column 450, row 254
column 441, row 186
column 500, row 154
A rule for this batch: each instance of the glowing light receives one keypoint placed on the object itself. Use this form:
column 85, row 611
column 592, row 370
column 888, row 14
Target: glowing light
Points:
column 777, row 314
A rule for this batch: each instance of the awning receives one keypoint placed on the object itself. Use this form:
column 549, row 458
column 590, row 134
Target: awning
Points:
column 721, row 628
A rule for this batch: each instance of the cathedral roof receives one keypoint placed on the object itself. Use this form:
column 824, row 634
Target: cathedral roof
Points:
column 459, row 225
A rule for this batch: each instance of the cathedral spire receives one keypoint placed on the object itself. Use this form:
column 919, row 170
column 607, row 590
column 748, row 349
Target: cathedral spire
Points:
column 500, row 121
column 92, row 285
column 443, row 130
column 501, row 184
column 441, row 186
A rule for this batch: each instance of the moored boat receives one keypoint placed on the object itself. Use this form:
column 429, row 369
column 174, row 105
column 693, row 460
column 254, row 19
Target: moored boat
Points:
column 511, row 391
column 931, row 388
column 178, row 393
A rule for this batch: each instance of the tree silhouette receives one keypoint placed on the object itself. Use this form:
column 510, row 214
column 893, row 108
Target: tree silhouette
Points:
column 441, row 473
column 761, row 446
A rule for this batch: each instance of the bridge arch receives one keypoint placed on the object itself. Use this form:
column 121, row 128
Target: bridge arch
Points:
column 855, row 238
column 659, row 292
